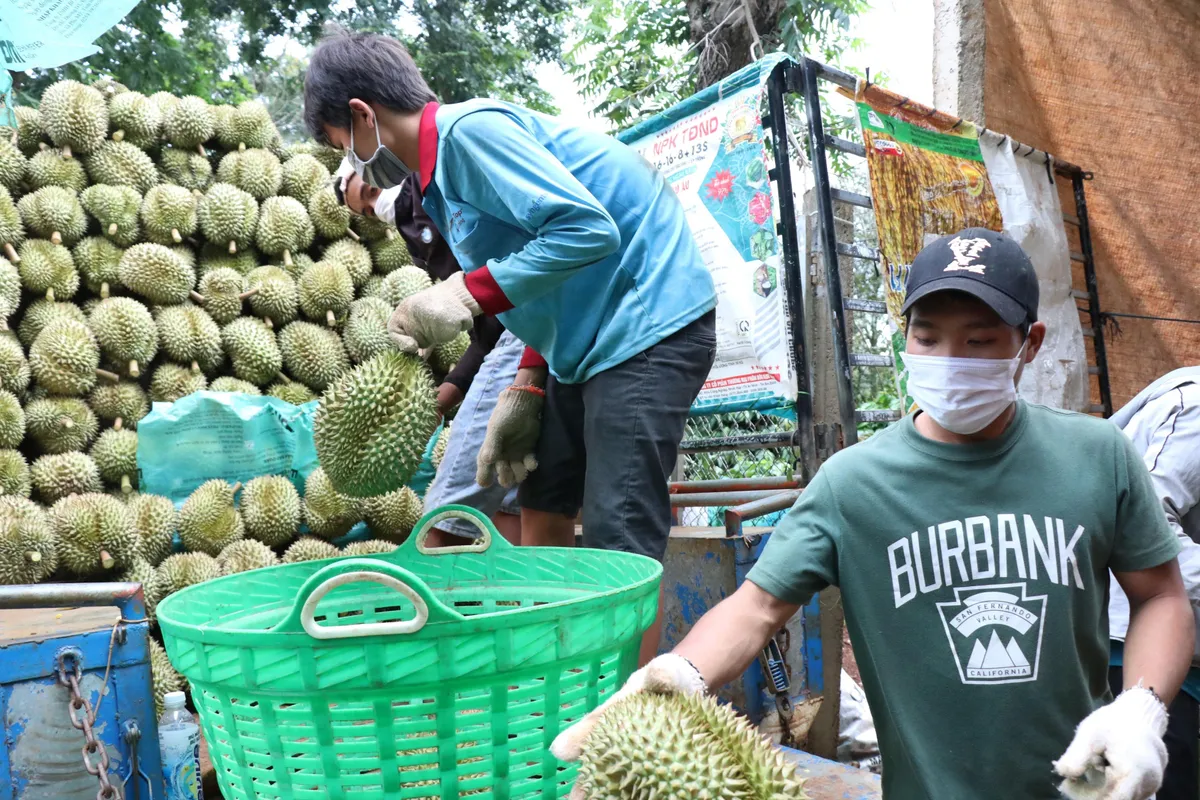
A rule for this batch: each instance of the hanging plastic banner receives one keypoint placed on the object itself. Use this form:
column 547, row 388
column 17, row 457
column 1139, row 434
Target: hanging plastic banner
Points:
column 710, row 148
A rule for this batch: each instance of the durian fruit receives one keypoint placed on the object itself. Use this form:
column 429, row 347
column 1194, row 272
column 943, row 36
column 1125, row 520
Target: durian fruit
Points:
column 326, row 292
column 142, row 572
column 168, row 214
column 14, row 368
column 12, row 229
column 390, row 255
column 53, row 213
column 121, row 164
column 157, row 274
column 60, row 424
column 10, row 291
column 13, row 165
column 235, row 385
column 369, row 547
column 245, row 555
column 446, row 355
column 165, row 102
column 98, row 260
column 155, row 519
column 331, row 157
column 126, row 333
column 189, row 335
column 392, row 516
column 208, row 521
column 372, row 426
column 403, row 283
column 28, row 549
column 227, row 214
column 163, row 677
column 94, row 535
column 186, row 255
column 291, row 392
column 271, row 510
column 14, row 474
column 439, row 447
column 122, row 404
column 48, row 269
column 303, row 175
column 328, row 513
column 248, row 125
column 134, row 118
column 116, row 208
column 222, row 132
column 366, row 329
column 75, row 116
column 29, row 136
column 312, row 354
column 189, row 123
column 12, row 421
column 330, row 219
column 171, row 382
column 681, row 746
column 185, row 168
column 276, row 298
column 65, row 358
column 115, row 453
column 283, row 227
column 110, row 88
column 41, row 313
column 54, row 477
column 300, row 264
column 51, row 168
column 256, row 171
column 221, row 294
column 252, row 350
column 372, row 229
column 183, row 570
column 214, row 257
column 309, row 548
column 353, row 256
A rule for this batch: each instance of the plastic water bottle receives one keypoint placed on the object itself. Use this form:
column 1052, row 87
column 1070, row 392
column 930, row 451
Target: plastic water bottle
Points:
column 179, row 742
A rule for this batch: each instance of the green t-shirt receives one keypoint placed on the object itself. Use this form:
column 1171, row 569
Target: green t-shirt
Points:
column 975, row 584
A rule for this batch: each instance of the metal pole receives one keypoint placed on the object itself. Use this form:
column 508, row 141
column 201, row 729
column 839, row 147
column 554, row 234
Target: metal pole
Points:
column 792, row 266
column 1093, row 290
column 828, row 239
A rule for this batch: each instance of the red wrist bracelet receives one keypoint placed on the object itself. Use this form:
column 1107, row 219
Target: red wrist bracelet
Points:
column 528, row 387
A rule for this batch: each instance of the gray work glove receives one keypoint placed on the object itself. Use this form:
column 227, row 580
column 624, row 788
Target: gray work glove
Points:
column 433, row 316
column 512, row 437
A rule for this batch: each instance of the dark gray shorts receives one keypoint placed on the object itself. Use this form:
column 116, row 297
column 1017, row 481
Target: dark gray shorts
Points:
column 609, row 444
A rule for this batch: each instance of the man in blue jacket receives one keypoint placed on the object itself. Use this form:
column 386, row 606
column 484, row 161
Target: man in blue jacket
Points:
column 580, row 248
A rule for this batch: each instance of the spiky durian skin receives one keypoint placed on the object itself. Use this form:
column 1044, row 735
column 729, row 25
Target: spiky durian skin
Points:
column 309, row 548
column 168, row 214
column 14, row 368
column 369, row 547
column 302, row 176
column 403, row 283
column 366, row 333
column 155, row 519
column 171, row 382
column 330, row 219
column 121, row 164
column 52, row 168
column 185, row 168
column 12, row 421
column 439, row 447
column 57, row 476
column 682, row 747
column 353, row 256
column 115, row 453
column 10, row 288
column 300, row 264
column 372, row 425
column 228, row 214
column 116, row 208
column 14, row 474
column 326, row 287
column 313, row 354
column 208, row 521
column 276, row 296
column 283, row 226
column 74, row 116
column 126, row 333
column 328, row 513
column 47, row 267
column 136, row 119
column 28, row 549
column 183, row 570
column 54, row 211
column 389, row 255
column 222, row 290
column 373, row 288
column 291, row 392
column 446, row 355
column 124, row 400
column 215, row 256
column 165, row 101
column 189, row 123
column 60, row 424
column 248, row 125
column 255, row 171
column 12, row 229
column 29, row 131
column 87, row 527
column 157, row 274
column 252, row 351
column 13, row 165
column 142, row 572
column 164, row 678
column 331, row 157
column 235, row 385
column 245, row 555
column 372, row 229
column 98, row 260
column 64, row 358
column 392, row 516
column 271, row 510
column 188, row 333
column 41, row 313
column 109, row 88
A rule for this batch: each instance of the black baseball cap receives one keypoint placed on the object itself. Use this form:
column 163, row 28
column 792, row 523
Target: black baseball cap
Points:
column 982, row 263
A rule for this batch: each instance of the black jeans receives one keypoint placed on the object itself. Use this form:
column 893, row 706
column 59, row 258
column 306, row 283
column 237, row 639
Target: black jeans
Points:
column 609, row 444
column 1182, row 778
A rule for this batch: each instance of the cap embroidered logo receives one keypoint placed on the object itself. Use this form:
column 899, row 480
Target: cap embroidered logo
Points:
column 965, row 252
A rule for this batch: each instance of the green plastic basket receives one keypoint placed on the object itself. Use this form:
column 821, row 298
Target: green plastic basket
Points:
column 422, row 673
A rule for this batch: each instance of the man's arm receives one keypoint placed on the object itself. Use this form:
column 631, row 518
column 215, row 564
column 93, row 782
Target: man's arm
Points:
column 1158, row 647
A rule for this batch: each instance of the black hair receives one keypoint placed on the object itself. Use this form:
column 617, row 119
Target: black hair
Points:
column 363, row 66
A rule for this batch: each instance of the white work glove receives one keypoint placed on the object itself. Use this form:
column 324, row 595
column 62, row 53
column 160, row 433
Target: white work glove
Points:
column 512, row 436
column 1118, row 751
column 433, row 316
column 385, row 204
column 666, row 674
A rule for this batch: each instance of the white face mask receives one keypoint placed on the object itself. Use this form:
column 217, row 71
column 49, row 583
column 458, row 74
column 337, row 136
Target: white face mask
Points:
column 963, row 395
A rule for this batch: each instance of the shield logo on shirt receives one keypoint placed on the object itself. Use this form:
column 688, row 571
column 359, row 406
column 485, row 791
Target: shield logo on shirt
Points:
column 995, row 632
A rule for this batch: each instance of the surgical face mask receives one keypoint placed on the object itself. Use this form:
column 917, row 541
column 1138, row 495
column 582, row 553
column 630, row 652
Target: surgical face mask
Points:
column 383, row 170
column 963, row 395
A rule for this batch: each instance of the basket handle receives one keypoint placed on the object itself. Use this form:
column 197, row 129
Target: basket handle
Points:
column 472, row 515
column 355, row 570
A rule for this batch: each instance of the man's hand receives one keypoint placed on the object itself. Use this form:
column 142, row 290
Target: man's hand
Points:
column 1118, row 751
column 512, row 435
column 448, row 397
column 433, row 316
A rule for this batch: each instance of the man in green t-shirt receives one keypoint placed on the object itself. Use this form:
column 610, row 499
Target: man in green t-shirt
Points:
column 972, row 543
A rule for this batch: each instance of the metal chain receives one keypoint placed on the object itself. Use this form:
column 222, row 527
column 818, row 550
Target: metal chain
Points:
column 70, row 672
